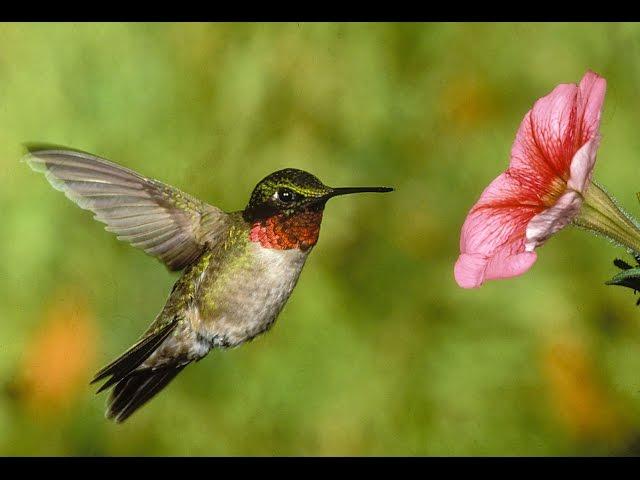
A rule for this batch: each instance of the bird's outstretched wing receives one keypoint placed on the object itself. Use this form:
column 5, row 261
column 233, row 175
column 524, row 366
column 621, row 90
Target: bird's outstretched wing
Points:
column 161, row 220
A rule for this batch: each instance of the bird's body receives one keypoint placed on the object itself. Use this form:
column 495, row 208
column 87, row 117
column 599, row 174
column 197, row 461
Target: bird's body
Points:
column 233, row 292
column 238, row 268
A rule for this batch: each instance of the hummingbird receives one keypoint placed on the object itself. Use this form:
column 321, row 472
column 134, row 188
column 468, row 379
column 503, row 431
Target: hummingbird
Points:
column 238, row 268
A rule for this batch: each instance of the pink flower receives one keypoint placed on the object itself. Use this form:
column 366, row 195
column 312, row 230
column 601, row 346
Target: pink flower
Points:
column 542, row 190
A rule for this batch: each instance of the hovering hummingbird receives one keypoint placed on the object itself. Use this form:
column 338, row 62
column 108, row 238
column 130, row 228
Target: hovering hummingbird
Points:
column 238, row 268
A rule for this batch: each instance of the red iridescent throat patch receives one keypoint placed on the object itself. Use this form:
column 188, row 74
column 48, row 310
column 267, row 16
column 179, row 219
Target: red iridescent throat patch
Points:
column 282, row 232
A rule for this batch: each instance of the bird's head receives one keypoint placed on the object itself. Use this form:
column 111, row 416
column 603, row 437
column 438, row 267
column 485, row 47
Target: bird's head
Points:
column 286, row 208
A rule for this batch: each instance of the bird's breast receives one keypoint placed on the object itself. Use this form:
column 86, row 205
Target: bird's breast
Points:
column 243, row 297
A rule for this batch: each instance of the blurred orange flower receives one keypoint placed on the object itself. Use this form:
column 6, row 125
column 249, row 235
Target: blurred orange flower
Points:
column 58, row 358
column 580, row 400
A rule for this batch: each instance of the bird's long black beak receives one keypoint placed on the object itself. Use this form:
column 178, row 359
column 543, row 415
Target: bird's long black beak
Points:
column 349, row 190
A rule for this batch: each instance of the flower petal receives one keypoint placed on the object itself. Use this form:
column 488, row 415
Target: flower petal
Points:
column 555, row 218
column 509, row 265
column 591, row 93
column 500, row 215
column 471, row 270
column 557, row 125
column 582, row 165
column 544, row 144
column 493, row 234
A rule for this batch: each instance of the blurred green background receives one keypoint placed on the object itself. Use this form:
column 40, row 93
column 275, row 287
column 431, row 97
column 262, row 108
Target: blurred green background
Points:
column 378, row 351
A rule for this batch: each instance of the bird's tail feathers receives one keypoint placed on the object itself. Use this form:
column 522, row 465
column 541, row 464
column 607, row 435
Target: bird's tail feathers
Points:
column 134, row 386
column 137, row 389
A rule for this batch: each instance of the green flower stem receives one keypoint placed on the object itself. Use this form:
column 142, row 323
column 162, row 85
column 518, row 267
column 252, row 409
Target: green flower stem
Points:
column 601, row 214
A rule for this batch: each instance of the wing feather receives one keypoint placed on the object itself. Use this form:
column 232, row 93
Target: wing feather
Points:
column 161, row 220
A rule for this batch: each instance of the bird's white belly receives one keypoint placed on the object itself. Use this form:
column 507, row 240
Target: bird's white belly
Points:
column 256, row 294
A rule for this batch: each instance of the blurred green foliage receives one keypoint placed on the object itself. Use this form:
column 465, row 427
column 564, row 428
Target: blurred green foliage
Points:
column 378, row 352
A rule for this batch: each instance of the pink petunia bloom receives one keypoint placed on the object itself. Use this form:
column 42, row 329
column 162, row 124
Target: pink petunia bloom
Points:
column 542, row 190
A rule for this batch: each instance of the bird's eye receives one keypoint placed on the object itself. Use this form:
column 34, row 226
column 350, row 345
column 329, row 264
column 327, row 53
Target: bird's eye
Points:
column 285, row 195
